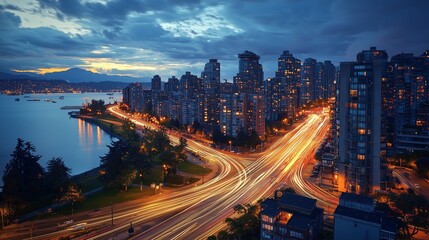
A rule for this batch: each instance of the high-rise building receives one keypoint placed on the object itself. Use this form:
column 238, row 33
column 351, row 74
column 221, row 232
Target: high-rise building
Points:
column 255, row 114
column 318, row 86
column 272, row 99
column 172, row 85
column 408, row 75
column 250, row 74
column 211, row 89
column 156, row 83
column 288, row 87
column 190, row 86
column 241, row 112
column 133, row 97
column 359, row 116
column 232, row 114
column 308, row 81
column 328, row 80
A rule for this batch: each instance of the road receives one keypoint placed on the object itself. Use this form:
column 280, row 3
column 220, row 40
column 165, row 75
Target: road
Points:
column 198, row 212
column 410, row 180
column 214, row 201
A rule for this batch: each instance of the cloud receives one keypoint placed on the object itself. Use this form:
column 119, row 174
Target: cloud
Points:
column 178, row 36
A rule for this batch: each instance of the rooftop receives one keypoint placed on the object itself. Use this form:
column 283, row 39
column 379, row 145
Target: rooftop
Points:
column 387, row 224
column 351, row 197
column 294, row 200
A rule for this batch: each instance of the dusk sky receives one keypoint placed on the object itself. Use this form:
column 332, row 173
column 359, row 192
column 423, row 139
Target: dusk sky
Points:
column 169, row 37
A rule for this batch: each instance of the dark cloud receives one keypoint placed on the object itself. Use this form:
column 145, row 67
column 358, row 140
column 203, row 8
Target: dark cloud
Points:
column 187, row 33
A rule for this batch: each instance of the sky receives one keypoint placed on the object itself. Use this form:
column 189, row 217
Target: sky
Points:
column 142, row 38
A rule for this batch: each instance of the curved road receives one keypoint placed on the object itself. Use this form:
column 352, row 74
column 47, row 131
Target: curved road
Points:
column 198, row 212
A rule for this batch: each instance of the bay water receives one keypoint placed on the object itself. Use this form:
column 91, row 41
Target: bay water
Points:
column 51, row 130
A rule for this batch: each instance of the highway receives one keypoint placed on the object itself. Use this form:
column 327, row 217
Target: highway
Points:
column 198, row 212
column 208, row 205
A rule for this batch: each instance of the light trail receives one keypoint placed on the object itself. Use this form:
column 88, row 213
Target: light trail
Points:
column 198, row 212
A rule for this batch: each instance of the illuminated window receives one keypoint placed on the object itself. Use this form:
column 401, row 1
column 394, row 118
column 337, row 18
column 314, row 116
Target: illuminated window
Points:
column 360, row 157
column 353, row 93
column 267, row 227
column 361, row 131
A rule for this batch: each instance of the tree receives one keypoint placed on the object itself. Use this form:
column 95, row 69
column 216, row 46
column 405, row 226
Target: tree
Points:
column 413, row 211
column 22, row 178
column 129, row 132
column 246, row 226
column 253, row 139
column 217, row 136
column 97, row 106
column 70, row 194
column 196, row 126
column 57, row 175
column 422, row 166
column 118, row 167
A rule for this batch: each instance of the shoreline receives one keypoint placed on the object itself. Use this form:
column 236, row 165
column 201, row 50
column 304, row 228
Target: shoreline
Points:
column 96, row 121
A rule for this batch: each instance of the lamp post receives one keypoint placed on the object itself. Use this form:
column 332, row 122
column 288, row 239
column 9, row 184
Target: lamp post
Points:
column 165, row 170
column 141, row 182
column 230, row 145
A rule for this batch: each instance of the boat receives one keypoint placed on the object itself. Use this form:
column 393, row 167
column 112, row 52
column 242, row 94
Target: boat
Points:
column 53, row 101
column 62, row 97
column 17, row 99
column 110, row 94
column 33, row 100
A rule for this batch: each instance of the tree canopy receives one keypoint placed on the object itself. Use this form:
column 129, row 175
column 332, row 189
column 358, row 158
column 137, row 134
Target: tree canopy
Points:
column 22, row 178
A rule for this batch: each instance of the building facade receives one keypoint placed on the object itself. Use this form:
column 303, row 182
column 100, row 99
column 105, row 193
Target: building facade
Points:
column 359, row 121
column 290, row 216
column 356, row 218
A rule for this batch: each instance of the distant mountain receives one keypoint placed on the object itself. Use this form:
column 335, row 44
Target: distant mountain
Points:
column 11, row 76
column 73, row 75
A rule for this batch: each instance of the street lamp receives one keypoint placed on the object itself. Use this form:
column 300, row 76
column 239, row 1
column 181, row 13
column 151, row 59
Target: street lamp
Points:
column 230, row 142
column 141, row 182
column 165, row 172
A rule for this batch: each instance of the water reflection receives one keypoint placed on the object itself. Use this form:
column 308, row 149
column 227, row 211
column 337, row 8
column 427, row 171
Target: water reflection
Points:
column 99, row 135
column 86, row 132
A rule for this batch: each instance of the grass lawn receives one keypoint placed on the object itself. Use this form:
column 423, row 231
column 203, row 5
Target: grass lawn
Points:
column 100, row 199
column 193, row 168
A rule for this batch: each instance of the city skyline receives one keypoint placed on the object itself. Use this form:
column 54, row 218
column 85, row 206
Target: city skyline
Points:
column 142, row 39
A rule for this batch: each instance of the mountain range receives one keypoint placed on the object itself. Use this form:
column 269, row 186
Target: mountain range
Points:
column 72, row 75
